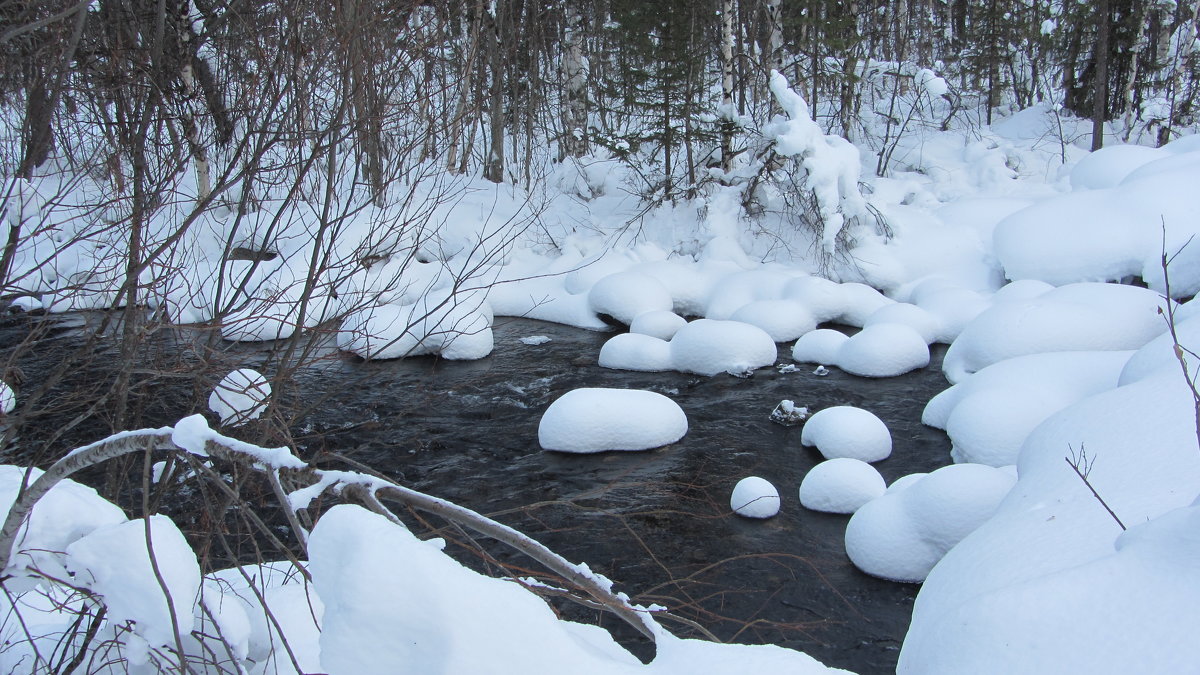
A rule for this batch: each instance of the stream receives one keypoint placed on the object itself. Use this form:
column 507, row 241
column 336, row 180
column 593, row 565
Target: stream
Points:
column 657, row 522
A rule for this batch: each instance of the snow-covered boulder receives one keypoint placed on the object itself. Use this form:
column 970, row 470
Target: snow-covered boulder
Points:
column 754, row 497
column 709, row 347
column 1110, row 165
column 841, row 485
column 595, row 420
column 846, row 431
column 819, row 346
column 903, row 534
column 925, row 324
column 635, row 351
column 783, row 320
column 861, row 301
column 115, row 563
column 626, row 295
column 883, row 350
column 824, row 299
column 989, row 414
column 240, row 396
column 1076, row 317
column 453, row 325
column 662, row 324
column 1052, row 570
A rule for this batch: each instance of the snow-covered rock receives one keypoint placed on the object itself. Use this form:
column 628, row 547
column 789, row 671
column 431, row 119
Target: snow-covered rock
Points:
column 917, row 318
column 903, row 534
column 1076, row 317
column 662, row 324
column 846, row 431
column 595, row 420
column 841, row 485
column 709, row 347
column 635, row 351
column 819, row 346
column 626, row 295
column 240, row 396
column 783, row 320
column 883, row 350
column 754, row 497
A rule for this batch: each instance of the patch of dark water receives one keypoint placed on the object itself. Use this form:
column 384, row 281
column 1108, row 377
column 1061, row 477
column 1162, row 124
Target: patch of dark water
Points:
column 657, row 522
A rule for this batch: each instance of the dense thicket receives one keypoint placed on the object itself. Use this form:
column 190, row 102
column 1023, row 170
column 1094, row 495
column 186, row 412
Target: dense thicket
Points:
column 488, row 85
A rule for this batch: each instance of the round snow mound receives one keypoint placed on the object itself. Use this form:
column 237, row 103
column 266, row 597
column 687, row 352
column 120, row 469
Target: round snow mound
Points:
column 754, row 497
column 627, row 295
column 709, row 346
column 240, row 397
column 846, row 431
column 841, row 485
column 904, row 533
column 8, row 398
column 917, row 318
column 884, row 350
column 634, row 351
column 662, row 324
column 783, row 320
column 596, row 420
column 820, row 346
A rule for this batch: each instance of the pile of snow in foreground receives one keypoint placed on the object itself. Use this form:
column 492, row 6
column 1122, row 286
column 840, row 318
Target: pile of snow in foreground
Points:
column 754, row 497
column 1051, row 582
column 846, row 431
column 596, row 420
column 381, row 601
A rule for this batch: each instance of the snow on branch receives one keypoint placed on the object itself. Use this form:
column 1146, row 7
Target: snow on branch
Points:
column 831, row 165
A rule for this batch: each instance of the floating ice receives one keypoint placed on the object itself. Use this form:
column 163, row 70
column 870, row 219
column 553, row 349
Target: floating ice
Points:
column 535, row 340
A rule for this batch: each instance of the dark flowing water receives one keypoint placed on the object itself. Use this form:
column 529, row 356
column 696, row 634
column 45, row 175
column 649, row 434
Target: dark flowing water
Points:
column 656, row 522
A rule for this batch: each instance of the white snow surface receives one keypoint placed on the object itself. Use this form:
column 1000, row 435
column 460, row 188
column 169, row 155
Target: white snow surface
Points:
column 841, row 485
column 846, row 431
column 754, row 497
column 595, row 420
column 8, row 398
column 661, row 324
column 240, row 396
column 114, row 561
column 709, row 347
column 1075, row 317
column 989, row 414
column 1052, row 570
column 903, row 534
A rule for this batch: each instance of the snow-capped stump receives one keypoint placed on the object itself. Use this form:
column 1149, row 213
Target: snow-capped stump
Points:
column 635, row 351
column 841, row 485
column 819, row 346
column 903, row 534
column 595, row 420
column 8, row 398
column 754, row 497
column 626, row 295
column 883, row 350
column 662, row 324
column 783, row 320
column 240, row 396
column 709, row 347
column 846, row 431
